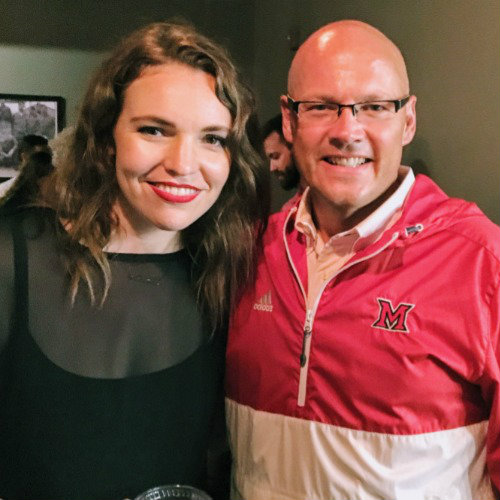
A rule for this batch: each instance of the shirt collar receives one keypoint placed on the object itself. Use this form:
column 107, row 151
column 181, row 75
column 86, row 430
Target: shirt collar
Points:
column 380, row 218
column 369, row 228
column 303, row 220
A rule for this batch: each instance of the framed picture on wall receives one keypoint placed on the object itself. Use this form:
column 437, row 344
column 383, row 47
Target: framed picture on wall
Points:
column 22, row 115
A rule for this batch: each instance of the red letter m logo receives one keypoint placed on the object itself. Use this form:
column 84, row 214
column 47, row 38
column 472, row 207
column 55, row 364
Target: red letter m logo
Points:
column 393, row 320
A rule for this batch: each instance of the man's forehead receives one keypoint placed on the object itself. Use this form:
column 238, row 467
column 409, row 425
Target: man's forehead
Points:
column 273, row 140
column 344, row 78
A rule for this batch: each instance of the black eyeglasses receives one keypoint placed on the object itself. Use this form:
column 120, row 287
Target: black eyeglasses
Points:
column 323, row 111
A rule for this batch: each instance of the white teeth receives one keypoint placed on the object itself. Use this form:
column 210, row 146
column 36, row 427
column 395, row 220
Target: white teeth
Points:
column 345, row 162
column 176, row 191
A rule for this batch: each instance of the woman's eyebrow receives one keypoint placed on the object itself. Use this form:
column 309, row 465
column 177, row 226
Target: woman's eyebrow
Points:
column 152, row 118
column 216, row 128
column 166, row 123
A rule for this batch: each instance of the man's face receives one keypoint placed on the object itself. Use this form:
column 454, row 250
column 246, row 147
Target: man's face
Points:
column 280, row 160
column 348, row 164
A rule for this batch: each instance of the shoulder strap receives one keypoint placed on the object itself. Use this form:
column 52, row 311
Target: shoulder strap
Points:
column 20, row 320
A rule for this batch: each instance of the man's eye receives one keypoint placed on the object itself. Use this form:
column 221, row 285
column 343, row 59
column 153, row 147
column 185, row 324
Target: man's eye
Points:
column 319, row 107
column 150, row 130
column 216, row 140
column 375, row 107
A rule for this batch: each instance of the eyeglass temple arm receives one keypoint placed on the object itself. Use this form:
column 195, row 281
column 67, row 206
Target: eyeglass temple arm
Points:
column 399, row 104
column 294, row 106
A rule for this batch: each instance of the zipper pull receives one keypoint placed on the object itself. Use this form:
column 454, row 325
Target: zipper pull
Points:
column 303, row 357
column 307, row 333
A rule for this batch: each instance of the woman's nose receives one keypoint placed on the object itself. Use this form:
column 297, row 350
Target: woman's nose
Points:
column 180, row 156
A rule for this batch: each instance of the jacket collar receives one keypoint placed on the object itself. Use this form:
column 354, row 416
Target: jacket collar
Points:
column 426, row 210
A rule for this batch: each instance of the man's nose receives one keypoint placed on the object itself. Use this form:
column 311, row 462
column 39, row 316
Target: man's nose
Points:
column 346, row 128
column 180, row 156
column 273, row 164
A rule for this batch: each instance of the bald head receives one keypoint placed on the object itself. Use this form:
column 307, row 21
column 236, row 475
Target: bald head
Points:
column 349, row 45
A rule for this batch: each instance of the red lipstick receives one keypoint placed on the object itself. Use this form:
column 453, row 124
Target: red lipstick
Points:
column 175, row 197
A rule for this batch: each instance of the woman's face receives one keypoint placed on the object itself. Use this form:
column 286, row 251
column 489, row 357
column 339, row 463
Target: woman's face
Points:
column 170, row 145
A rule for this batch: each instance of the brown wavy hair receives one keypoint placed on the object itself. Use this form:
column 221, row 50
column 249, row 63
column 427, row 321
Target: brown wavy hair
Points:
column 223, row 242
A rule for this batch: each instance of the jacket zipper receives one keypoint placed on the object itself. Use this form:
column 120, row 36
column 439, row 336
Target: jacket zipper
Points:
column 310, row 313
column 305, row 340
column 304, row 357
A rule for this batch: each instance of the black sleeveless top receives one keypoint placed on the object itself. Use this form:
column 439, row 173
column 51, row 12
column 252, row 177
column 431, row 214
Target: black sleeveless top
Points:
column 101, row 403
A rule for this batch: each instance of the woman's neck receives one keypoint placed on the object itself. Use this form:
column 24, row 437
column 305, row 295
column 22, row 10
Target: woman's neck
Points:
column 128, row 237
column 125, row 242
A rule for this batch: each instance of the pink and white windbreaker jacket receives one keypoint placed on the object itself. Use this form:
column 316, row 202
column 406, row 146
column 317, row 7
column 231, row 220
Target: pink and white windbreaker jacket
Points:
column 388, row 388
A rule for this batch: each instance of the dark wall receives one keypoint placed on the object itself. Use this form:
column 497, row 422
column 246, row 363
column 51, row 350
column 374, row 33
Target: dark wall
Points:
column 97, row 24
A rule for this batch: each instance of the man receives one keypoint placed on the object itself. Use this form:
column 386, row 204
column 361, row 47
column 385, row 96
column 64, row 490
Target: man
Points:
column 280, row 159
column 279, row 153
column 364, row 363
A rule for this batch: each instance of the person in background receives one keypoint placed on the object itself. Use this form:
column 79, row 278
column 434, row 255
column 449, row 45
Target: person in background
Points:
column 281, row 161
column 8, row 148
column 32, row 121
column 35, row 166
column 114, row 293
column 8, row 143
column 32, row 143
column 364, row 361
column 279, row 153
column 5, row 112
column 19, row 121
column 46, row 120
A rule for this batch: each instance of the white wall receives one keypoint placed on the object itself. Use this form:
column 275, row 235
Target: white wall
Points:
column 47, row 71
column 452, row 50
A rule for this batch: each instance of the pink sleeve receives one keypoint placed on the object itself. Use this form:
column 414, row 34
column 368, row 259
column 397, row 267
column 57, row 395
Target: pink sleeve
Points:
column 490, row 382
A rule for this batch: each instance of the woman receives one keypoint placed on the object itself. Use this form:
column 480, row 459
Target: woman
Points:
column 110, row 328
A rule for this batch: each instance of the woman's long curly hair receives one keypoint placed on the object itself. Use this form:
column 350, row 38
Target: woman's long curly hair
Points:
column 224, row 241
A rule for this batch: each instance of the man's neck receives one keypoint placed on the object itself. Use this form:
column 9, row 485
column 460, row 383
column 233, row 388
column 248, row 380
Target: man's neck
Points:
column 330, row 219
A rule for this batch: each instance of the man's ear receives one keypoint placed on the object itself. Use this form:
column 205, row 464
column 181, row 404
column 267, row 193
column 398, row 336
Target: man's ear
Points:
column 410, row 120
column 286, row 114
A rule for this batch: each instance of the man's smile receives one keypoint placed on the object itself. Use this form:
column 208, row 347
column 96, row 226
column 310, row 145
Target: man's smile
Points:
column 352, row 161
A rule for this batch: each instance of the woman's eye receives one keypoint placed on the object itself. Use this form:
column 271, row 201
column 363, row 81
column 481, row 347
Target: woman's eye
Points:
column 150, row 130
column 216, row 140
